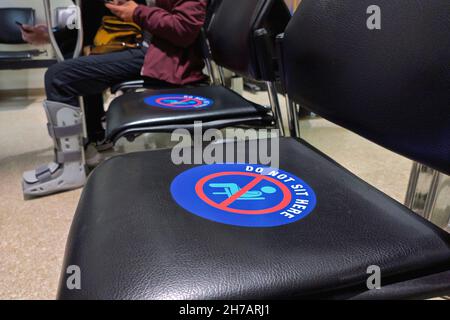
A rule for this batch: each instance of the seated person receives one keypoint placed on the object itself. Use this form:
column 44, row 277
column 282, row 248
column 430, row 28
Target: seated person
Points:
column 92, row 13
column 172, row 57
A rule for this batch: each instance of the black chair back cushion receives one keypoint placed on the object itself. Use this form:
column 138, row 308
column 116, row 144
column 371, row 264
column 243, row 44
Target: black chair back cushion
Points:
column 231, row 32
column 391, row 85
column 212, row 7
column 9, row 30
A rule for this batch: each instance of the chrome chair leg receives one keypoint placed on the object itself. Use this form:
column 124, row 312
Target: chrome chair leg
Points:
column 412, row 185
column 275, row 104
column 432, row 196
column 294, row 121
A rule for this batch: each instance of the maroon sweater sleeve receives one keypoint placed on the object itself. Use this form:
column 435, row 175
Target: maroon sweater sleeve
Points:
column 181, row 26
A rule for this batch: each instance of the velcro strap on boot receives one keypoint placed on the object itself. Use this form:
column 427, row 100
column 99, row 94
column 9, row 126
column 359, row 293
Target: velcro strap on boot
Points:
column 43, row 174
column 62, row 132
column 64, row 157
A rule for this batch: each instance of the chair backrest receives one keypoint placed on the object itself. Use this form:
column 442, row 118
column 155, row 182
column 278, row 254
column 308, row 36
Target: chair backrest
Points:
column 390, row 85
column 9, row 30
column 232, row 38
column 212, row 7
column 203, row 40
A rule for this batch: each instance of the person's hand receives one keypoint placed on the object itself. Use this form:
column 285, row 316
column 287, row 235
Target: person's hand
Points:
column 124, row 11
column 36, row 35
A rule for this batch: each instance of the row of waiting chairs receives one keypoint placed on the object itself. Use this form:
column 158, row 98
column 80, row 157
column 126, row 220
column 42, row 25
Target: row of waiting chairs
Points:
column 130, row 116
column 144, row 228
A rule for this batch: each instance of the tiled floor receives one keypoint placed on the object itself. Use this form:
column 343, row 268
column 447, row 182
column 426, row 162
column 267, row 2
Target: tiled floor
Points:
column 33, row 233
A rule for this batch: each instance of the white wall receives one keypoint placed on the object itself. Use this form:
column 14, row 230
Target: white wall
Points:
column 33, row 78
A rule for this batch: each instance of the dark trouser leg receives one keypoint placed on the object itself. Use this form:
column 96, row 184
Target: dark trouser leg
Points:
column 89, row 77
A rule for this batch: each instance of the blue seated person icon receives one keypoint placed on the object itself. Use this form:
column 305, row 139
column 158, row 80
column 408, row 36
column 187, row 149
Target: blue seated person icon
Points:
column 231, row 189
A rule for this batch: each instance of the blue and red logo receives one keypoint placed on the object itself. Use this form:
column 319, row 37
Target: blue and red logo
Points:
column 178, row 102
column 244, row 195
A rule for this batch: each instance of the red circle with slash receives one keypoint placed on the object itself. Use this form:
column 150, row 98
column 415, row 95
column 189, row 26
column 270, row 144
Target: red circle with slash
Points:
column 225, row 205
column 182, row 103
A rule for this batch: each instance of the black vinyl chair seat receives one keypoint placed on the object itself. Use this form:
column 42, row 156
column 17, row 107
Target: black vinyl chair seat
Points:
column 10, row 31
column 130, row 114
column 143, row 245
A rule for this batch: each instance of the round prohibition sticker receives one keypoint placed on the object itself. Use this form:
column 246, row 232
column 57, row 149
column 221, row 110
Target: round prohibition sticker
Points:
column 244, row 195
column 178, row 102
